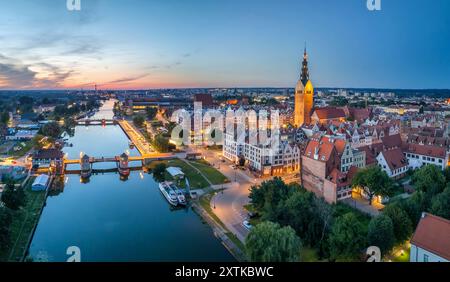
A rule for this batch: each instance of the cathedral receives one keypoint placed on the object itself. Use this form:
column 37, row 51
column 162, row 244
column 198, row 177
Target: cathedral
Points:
column 304, row 96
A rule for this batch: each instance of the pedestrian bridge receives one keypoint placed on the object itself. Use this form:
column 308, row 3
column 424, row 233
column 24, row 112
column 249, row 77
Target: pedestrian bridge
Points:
column 88, row 121
column 144, row 158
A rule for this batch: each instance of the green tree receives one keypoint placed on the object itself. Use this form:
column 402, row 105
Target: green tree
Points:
column 381, row 233
column 13, row 197
column 374, row 182
column 414, row 206
column 139, row 121
column 241, row 161
column 440, row 204
column 401, row 222
column 429, row 179
column 159, row 171
column 51, row 130
column 4, row 117
column 268, row 242
column 298, row 212
column 161, row 143
column 269, row 196
column 151, row 113
column 347, row 238
column 5, row 230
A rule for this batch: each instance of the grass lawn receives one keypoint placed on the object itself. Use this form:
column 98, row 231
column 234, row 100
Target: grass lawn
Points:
column 28, row 146
column 23, row 224
column 215, row 176
column 196, row 180
column 205, row 201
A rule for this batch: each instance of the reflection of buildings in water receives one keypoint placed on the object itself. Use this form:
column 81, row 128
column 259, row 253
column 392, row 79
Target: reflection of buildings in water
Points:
column 57, row 187
column 84, row 180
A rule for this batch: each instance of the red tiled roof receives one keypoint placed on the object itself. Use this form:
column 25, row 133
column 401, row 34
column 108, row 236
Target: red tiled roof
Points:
column 360, row 114
column 329, row 113
column 433, row 234
column 392, row 141
column 341, row 178
column 372, row 151
column 325, row 149
column 425, row 150
column 395, row 158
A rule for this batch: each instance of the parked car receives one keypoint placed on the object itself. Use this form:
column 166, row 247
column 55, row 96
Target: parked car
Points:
column 247, row 225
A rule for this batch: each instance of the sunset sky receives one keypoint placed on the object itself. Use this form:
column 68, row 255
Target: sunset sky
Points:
column 135, row 44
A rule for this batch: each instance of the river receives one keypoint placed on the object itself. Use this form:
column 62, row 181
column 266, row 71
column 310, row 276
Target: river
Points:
column 111, row 220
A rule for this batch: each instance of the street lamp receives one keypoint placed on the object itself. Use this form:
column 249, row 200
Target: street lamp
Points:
column 214, row 199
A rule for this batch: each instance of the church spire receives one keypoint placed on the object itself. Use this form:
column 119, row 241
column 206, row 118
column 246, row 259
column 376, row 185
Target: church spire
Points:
column 304, row 77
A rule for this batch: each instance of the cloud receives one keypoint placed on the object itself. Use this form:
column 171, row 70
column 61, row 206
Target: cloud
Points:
column 125, row 80
column 16, row 75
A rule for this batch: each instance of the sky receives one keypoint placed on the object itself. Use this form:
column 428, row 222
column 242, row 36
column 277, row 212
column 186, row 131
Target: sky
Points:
column 138, row 44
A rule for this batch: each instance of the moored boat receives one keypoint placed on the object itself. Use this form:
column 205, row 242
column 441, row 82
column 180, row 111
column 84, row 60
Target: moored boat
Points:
column 168, row 193
column 180, row 195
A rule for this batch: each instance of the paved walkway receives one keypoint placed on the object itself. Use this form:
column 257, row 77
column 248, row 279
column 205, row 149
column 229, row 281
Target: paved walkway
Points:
column 361, row 204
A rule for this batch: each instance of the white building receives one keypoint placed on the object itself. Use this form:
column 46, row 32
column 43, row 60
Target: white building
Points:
column 431, row 240
column 40, row 183
column 393, row 162
column 419, row 155
column 175, row 172
column 22, row 135
column 261, row 158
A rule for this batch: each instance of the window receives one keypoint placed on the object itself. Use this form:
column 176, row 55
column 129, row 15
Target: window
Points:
column 425, row 258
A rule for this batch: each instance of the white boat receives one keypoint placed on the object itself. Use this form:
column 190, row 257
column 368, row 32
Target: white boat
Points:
column 168, row 193
column 180, row 195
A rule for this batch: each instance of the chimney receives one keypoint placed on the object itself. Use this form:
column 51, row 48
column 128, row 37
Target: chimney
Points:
column 316, row 153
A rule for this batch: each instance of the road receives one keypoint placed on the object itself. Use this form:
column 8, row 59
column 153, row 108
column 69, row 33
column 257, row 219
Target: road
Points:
column 136, row 137
column 229, row 204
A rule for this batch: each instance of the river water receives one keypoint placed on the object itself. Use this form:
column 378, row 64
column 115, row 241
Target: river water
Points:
column 111, row 220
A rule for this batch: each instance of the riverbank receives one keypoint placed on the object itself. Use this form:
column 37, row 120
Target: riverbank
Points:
column 229, row 240
column 23, row 224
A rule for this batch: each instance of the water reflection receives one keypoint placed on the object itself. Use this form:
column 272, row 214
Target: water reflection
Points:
column 111, row 218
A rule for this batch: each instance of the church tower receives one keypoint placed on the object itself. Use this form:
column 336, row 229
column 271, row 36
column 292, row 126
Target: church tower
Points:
column 304, row 96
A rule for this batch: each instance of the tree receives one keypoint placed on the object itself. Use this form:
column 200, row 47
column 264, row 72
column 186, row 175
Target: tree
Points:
column 51, row 130
column 241, row 161
column 13, row 197
column 374, row 182
column 268, row 197
column 151, row 113
column 401, row 222
column 440, row 204
column 5, row 222
column 139, row 121
column 4, row 117
column 268, row 242
column 381, row 233
column 159, row 171
column 429, row 179
column 347, row 238
column 298, row 211
column 414, row 206
column 161, row 143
